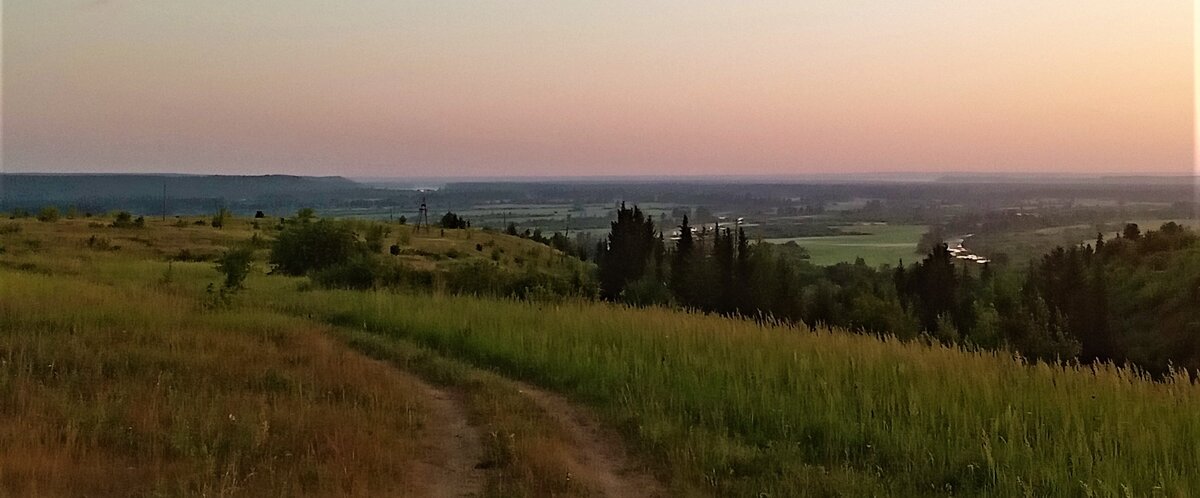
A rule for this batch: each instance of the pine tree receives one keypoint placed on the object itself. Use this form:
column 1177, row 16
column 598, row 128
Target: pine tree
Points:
column 681, row 262
column 630, row 248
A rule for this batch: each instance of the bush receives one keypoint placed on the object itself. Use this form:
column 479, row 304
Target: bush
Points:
column 306, row 215
column 376, row 234
column 48, row 214
column 125, row 220
column 306, row 247
column 218, row 220
column 186, row 255
column 235, row 265
column 357, row 274
column 99, row 243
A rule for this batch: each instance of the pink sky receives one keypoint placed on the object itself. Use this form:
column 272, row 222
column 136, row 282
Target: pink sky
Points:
column 555, row 87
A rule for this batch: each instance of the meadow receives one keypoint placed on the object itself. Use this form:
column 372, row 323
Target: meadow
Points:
column 882, row 244
column 113, row 366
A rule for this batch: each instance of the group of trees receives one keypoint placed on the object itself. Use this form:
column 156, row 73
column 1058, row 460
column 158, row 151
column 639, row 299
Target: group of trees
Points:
column 582, row 246
column 453, row 221
column 1073, row 303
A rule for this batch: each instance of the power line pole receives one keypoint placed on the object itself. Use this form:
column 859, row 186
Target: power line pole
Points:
column 423, row 216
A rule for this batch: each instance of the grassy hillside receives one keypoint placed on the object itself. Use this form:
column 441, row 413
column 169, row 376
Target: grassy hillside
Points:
column 118, row 390
column 111, row 366
column 738, row 408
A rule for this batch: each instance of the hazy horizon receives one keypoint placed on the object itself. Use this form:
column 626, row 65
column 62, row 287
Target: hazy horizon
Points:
column 381, row 89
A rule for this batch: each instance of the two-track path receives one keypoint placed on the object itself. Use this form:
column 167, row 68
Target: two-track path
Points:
column 452, row 465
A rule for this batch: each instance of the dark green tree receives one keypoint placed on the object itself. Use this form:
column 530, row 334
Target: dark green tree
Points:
column 628, row 252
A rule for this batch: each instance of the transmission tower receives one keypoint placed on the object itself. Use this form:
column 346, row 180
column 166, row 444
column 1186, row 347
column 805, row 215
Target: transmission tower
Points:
column 423, row 216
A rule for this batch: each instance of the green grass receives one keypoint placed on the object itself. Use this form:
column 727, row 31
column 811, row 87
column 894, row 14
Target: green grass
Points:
column 724, row 407
column 884, row 244
column 733, row 408
column 116, row 381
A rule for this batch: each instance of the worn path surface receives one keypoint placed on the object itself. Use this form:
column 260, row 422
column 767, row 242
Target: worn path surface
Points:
column 598, row 456
column 453, row 451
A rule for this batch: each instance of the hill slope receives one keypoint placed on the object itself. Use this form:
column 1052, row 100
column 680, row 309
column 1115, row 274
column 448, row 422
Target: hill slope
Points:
column 716, row 406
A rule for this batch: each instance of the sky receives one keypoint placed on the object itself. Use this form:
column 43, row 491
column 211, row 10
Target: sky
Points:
column 392, row 88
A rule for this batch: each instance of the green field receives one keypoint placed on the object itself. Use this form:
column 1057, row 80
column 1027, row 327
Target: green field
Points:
column 885, row 244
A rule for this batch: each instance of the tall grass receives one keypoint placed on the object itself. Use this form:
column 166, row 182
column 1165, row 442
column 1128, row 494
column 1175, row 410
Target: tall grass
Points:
column 111, row 383
column 736, row 408
column 127, row 390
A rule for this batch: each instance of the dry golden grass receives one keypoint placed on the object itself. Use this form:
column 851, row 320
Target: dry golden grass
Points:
column 114, row 391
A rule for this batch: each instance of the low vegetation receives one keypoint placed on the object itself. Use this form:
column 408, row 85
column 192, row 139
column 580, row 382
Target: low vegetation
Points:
column 116, row 379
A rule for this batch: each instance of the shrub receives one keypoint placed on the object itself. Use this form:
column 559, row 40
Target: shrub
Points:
column 187, row 255
column 306, row 247
column 306, row 215
column 358, row 274
column 218, row 220
column 235, row 266
column 48, row 214
column 99, row 243
column 125, row 220
column 376, row 233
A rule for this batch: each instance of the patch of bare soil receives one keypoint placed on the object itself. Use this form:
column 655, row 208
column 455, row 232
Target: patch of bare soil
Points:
column 451, row 466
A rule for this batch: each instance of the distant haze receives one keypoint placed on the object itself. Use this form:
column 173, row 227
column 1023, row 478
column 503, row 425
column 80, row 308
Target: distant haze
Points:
column 388, row 88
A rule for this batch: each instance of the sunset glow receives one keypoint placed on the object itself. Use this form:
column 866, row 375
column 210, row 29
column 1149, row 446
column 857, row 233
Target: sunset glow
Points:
column 386, row 88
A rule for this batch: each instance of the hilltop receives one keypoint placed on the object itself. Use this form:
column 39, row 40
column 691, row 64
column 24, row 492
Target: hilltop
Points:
column 118, row 362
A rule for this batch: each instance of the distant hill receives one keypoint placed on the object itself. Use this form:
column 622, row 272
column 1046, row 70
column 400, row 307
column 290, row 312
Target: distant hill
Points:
column 184, row 193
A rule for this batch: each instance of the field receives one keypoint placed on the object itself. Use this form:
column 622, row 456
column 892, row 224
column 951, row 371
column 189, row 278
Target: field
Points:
column 884, row 244
column 1022, row 246
column 118, row 380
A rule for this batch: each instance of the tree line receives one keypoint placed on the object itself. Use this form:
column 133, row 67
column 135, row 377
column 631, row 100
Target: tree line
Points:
column 1115, row 300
